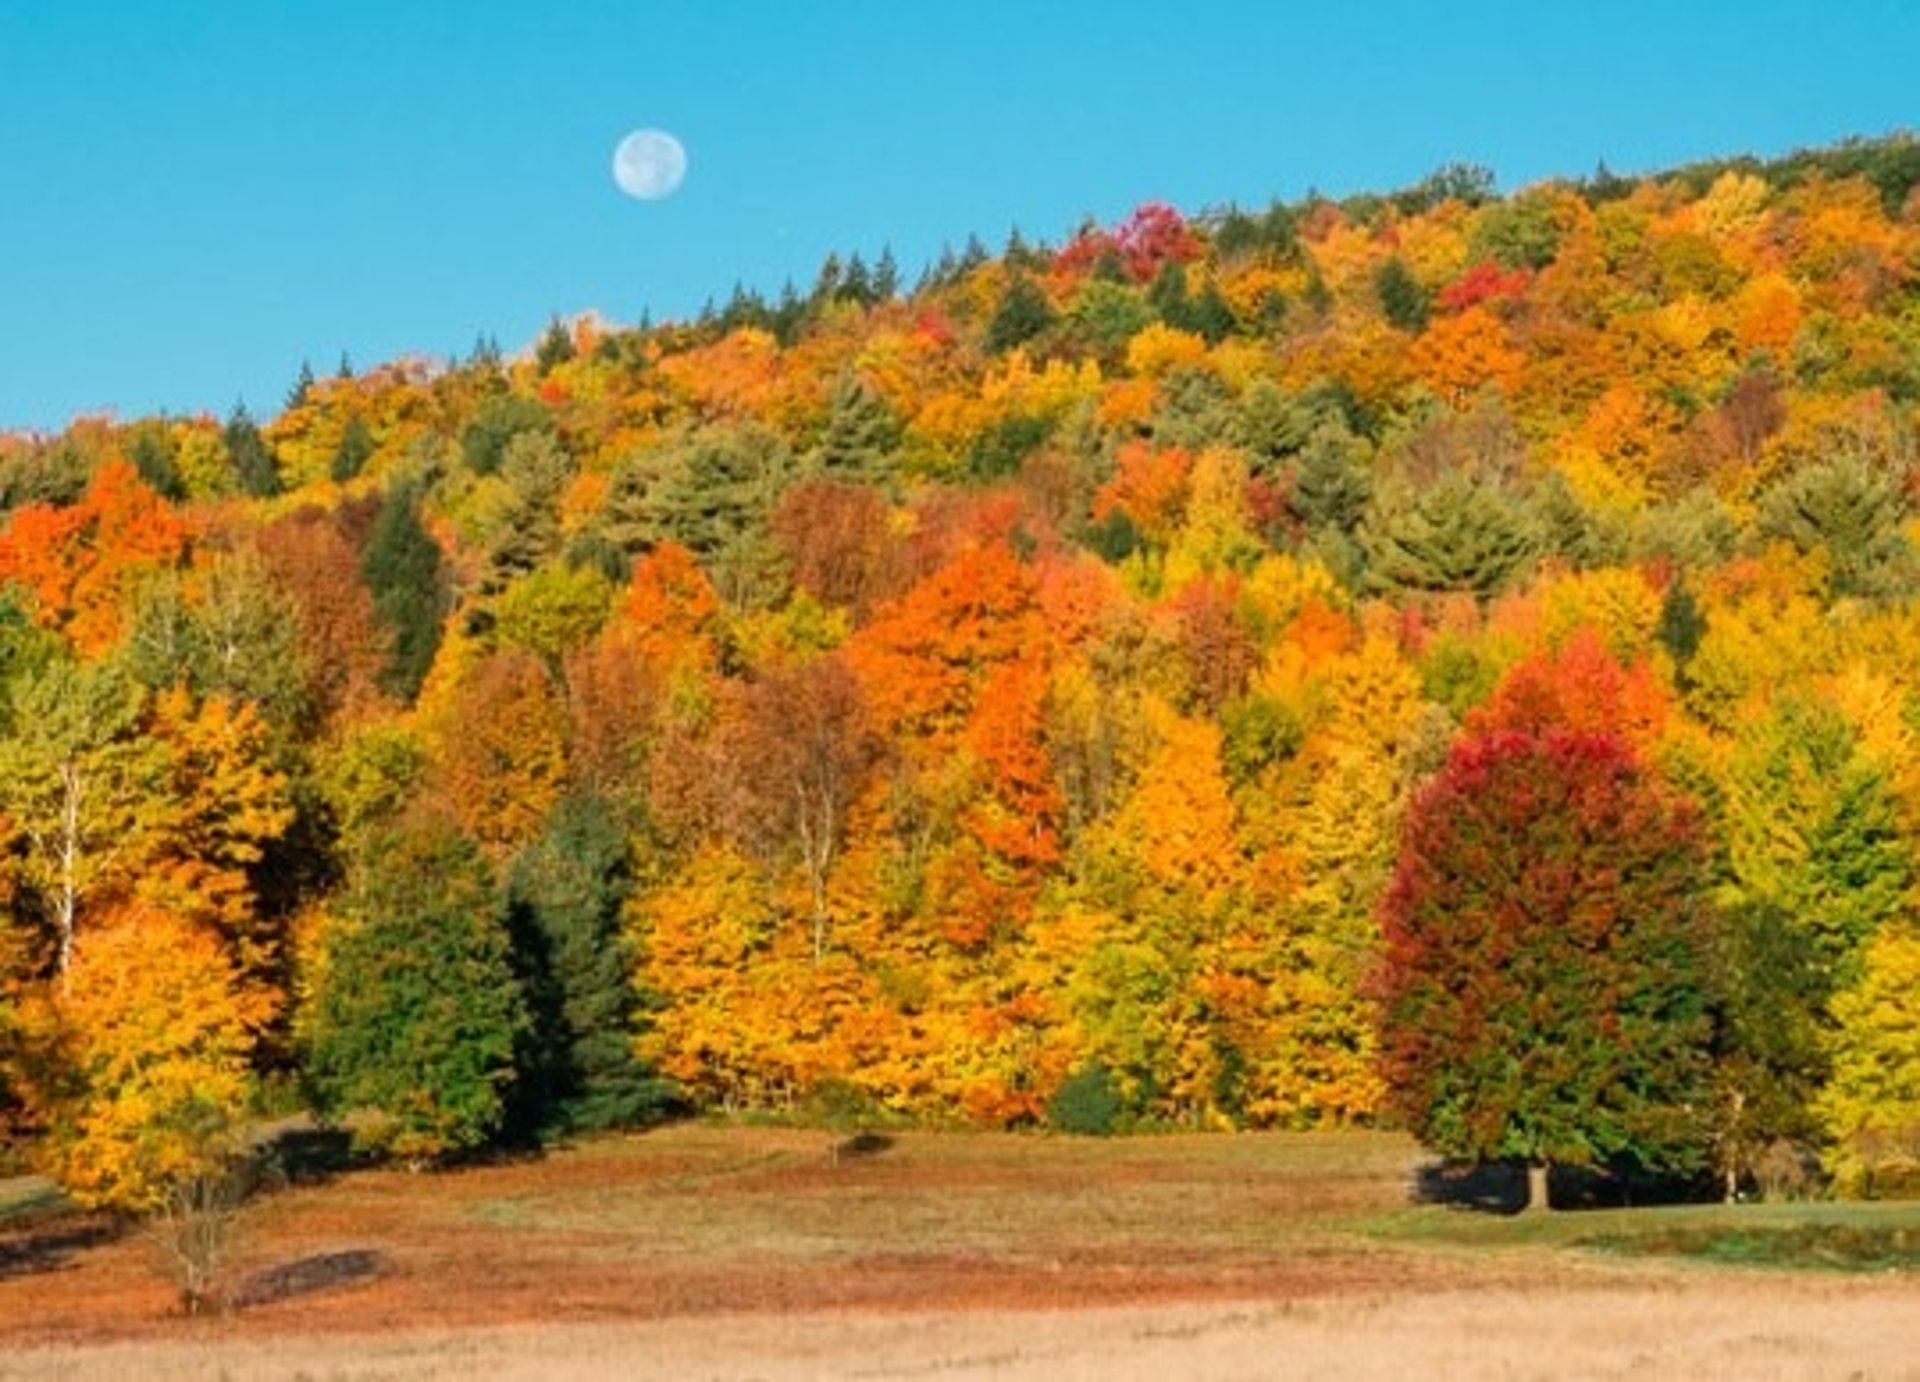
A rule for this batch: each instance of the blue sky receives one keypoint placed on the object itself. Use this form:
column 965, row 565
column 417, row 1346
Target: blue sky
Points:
column 196, row 196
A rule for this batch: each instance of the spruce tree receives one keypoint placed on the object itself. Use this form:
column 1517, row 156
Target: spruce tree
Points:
column 403, row 568
column 256, row 470
column 1023, row 313
column 1459, row 534
column 356, row 448
column 565, row 892
column 861, row 431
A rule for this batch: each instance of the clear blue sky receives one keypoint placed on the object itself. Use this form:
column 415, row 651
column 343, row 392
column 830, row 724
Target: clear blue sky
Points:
column 195, row 196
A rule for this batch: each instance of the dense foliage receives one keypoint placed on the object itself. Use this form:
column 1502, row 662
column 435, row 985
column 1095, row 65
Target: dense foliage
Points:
column 1002, row 699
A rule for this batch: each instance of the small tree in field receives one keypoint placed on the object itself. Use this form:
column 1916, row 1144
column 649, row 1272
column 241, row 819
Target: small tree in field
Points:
column 1543, row 994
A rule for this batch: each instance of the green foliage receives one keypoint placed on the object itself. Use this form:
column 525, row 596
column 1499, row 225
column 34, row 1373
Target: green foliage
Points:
column 496, row 422
column 418, row 1015
column 1519, row 233
column 1460, row 533
column 1769, row 1047
column 403, row 568
column 1000, row 448
column 519, row 521
column 256, row 470
column 1543, row 992
column 1811, row 829
column 1853, row 511
column 553, row 611
column 1402, row 299
column 861, row 432
column 555, row 348
column 1471, row 184
column 565, row 891
column 1682, row 624
column 356, row 448
column 1104, row 317
column 1088, row 1104
column 153, row 453
column 1258, row 731
column 1023, row 314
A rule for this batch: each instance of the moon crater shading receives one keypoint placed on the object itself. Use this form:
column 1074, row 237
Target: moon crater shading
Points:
column 649, row 165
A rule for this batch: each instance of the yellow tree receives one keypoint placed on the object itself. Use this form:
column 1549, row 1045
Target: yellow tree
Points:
column 1871, row 1106
column 225, row 802
column 502, row 750
column 153, row 1035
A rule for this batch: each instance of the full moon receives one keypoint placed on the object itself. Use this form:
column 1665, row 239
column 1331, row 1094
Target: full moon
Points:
column 649, row 164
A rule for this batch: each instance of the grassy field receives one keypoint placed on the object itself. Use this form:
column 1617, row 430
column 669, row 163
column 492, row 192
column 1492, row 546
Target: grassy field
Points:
column 691, row 1241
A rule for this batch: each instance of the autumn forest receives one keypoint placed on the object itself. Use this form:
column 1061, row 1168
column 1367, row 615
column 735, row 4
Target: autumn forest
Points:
column 1443, row 659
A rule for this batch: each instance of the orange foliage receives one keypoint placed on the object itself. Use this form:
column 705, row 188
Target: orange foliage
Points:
column 81, row 562
column 1580, row 688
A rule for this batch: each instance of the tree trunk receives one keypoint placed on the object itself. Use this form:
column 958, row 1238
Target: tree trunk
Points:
column 1537, row 1202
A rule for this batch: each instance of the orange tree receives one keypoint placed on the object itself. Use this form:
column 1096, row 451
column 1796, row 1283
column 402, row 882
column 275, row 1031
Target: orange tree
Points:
column 1544, row 998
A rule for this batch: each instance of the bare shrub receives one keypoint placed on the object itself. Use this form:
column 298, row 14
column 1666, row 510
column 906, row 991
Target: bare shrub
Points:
column 195, row 1223
column 1788, row 1170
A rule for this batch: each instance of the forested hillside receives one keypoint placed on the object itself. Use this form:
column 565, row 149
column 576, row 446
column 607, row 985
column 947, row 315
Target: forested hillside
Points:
column 1002, row 698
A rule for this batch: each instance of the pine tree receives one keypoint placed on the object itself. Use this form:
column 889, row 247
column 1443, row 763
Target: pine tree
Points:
column 255, row 468
column 1458, row 534
column 302, row 389
column 555, row 348
column 356, row 448
column 861, row 431
column 1022, row 314
column 565, row 893
column 403, row 568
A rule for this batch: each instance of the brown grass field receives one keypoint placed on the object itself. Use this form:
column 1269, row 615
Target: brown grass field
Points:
column 733, row 1252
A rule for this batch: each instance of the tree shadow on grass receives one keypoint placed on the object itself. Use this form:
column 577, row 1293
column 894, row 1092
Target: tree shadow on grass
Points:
column 1493, row 1187
column 31, row 1251
column 1499, row 1187
column 306, row 1276
column 309, row 1155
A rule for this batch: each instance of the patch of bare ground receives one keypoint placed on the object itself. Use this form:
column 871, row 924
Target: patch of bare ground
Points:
column 724, row 1252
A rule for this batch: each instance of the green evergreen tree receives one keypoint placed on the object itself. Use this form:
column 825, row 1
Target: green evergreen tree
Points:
column 1023, row 313
column 1212, row 315
column 1682, row 626
column 1769, row 1047
column 1856, row 514
column 153, row 454
column 555, row 348
column 255, row 468
column 419, row 1014
column 403, row 567
column 1402, row 298
column 302, row 389
column 356, row 448
column 1332, row 479
column 1167, row 295
column 1812, row 830
column 523, row 527
column 565, row 892
column 886, row 276
column 1458, row 534
column 495, row 423
column 861, row 431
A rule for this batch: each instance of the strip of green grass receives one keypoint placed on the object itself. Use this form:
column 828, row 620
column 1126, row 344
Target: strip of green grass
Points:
column 1817, row 1237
